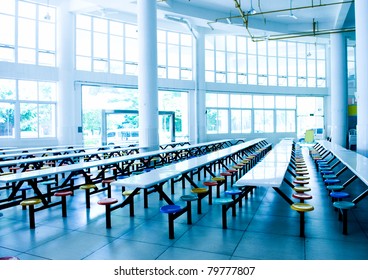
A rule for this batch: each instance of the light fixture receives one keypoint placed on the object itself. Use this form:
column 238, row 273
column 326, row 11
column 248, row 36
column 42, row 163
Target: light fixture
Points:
column 252, row 11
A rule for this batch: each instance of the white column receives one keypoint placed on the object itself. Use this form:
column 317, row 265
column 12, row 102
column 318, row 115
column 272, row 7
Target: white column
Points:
column 361, row 23
column 339, row 90
column 200, row 89
column 67, row 122
column 147, row 75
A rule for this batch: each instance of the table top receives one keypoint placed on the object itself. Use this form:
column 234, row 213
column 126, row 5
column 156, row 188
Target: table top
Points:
column 159, row 175
column 23, row 176
column 357, row 163
column 270, row 172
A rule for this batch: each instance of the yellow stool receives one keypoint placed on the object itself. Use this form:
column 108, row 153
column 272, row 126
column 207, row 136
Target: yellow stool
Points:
column 87, row 188
column 201, row 192
column 301, row 208
column 31, row 202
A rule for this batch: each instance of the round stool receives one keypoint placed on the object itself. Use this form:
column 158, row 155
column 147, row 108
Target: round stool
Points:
column 302, row 196
column 31, row 202
column 337, row 196
column 300, row 189
column 210, row 185
column 344, row 206
column 201, row 192
column 233, row 193
column 220, row 180
column 87, row 188
column 107, row 202
column 63, row 195
column 224, row 202
column 188, row 199
column 170, row 210
column 301, row 208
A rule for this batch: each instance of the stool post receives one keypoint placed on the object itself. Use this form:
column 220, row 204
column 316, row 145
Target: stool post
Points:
column 108, row 216
column 88, row 200
column 224, row 219
column 171, row 226
column 32, row 223
column 344, row 221
column 302, row 224
column 63, row 206
column 189, row 212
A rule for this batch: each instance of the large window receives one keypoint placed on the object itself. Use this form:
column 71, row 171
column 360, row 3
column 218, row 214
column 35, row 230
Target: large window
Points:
column 246, row 113
column 27, row 33
column 98, row 98
column 109, row 46
column 237, row 59
column 33, row 103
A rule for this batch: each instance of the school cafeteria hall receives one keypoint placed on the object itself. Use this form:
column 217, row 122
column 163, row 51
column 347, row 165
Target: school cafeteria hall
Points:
column 183, row 130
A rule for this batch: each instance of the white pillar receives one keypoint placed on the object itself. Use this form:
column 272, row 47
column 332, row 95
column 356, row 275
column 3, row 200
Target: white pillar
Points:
column 147, row 75
column 67, row 128
column 200, row 89
column 339, row 90
column 361, row 23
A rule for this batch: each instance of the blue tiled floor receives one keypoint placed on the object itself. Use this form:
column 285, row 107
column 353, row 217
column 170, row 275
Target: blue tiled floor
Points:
column 265, row 228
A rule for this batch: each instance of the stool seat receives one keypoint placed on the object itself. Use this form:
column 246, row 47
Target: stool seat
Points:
column 218, row 179
column 107, row 201
column 31, row 201
column 329, row 176
column 189, row 197
column 327, row 172
column 302, row 196
column 129, row 192
column 344, row 204
column 339, row 195
column 233, row 192
column 301, row 189
column 222, row 201
column 300, row 182
column 302, row 172
column 225, row 174
column 332, row 181
column 88, row 187
column 63, row 193
column 199, row 190
column 335, row 188
column 170, row 208
column 232, row 170
column 210, row 184
column 302, row 207
column 302, row 178
column 25, row 188
column 108, row 181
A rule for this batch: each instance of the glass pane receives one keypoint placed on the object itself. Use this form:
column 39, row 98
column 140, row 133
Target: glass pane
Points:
column 231, row 43
column 246, row 101
column 280, row 121
column 302, row 68
column 290, row 121
column 236, row 121
column 231, row 62
column 7, row 54
column 47, row 91
column 262, row 48
column 99, row 25
column 252, row 47
column 47, row 120
column 292, row 67
column 173, row 55
column 210, row 60
column 83, row 43
column 290, row 102
column 242, row 44
column 269, row 121
column 46, row 59
column 161, row 54
column 46, row 36
column 211, row 121
column 258, row 121
column 27, row 56
column 26, row 33
column 7, row 30
column 100, row 45
column 280, row 101
column 220, row 43
column 223, row 100
column 7, row 119
column 209, row 42
column 131, row 48
column 269, row 101
column 83, row 22
column 220, row 61
column 186, row 57
column 291, row 49
column 242, row 63
column 100, row 65
column 131, row 31
column 272, row 48
column 116, row 67
column 252, row 64
column 116, row 47
column 235, row 100
column 83, row 63
column 173, row 38
column 223, row 121
column 262, row 65
column 186, row 40
column 257, row 101
column 282, row 66
column 7, row 89
column 211, row 100
column 246, row 121
column 28, row 120
column 26, row 9
column 321, row 68
column 311, row 68
column 116, row 28
column 272, row 66
column 210, row 76
column 281, row 49
column 27, row 90
column 173, row 73
column 7, row 7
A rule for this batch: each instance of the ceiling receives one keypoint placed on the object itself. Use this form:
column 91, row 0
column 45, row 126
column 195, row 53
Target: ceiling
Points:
column 273, row 18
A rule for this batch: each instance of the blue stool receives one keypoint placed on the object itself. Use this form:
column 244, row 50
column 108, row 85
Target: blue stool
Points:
column 332, row 181
column 327, row 172
column 344, row 206
column 171, row 210
column 337, row 196
column 233, row 193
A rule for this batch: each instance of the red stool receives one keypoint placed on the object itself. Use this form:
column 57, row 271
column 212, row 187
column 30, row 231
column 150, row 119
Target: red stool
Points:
column 63, row 195
column 107, row 202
